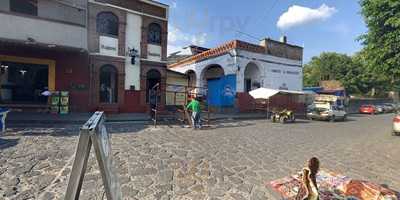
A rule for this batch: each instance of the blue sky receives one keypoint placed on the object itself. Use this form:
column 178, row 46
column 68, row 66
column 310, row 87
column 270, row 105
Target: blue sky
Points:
column 318, row 25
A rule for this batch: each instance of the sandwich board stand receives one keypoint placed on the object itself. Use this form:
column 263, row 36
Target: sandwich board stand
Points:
column 94, row 132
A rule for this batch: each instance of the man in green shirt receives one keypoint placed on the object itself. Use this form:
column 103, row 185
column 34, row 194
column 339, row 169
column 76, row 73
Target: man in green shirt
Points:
column 194, row 106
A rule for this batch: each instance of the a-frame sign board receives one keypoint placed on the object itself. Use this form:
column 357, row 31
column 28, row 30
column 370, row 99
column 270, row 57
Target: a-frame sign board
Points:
column 94, row 132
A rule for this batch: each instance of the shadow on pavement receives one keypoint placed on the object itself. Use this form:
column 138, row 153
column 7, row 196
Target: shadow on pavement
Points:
column 302, row 122
column 359, row 115
column 226, row 125
column 7, row 143
column 69, row 130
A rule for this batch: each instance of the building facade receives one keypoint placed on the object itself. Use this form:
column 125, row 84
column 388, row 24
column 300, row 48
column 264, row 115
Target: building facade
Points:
column 43, row 44
column 105, row 53
column 227, row 73
column 127, row 44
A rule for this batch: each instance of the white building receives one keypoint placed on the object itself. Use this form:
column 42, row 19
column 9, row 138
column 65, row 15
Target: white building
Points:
column 272, row 64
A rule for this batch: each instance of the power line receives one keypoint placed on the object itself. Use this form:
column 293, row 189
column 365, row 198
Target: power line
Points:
column 248, row 35
column 270, row 10
column 266, row 17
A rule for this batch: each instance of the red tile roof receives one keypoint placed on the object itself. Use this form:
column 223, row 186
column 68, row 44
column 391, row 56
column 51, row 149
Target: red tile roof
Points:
column 214, row 52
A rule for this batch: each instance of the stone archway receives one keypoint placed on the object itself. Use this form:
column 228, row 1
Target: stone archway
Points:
column 252, row 77
column 211, row 72
column 153, row 78
column 108, row 84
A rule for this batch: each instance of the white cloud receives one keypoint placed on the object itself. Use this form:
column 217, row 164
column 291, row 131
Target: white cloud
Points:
column 299, row 15
column 199, row 39
column 178, row 39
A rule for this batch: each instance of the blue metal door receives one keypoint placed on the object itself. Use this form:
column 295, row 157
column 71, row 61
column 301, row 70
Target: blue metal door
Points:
column 214, row 92
column 228, row 91
column 222, row 91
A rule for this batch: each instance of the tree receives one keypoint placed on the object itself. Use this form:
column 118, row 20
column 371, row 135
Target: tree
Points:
column 368, row 82
column 333, row 66
column 382, row 42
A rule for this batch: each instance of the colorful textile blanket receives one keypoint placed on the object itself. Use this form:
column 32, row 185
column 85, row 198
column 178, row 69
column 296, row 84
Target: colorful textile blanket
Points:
column 333, row 186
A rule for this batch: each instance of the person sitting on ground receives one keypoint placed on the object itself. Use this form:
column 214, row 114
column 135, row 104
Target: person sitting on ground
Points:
column 309, row 188
column 194, row 106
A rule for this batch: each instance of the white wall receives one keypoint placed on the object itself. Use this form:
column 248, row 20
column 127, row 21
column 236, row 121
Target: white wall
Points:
column 20, row 28
column 133, row 38
column 275, row 71
column 55, row 10
column 227, row 62
column 279, row 76
column 290, row 73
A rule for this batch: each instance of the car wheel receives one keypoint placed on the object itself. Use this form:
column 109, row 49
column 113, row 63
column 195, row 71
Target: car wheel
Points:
column 333, row 118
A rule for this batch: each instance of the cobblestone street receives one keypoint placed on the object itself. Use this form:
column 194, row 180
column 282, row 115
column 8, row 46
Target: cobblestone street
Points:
column 231, row 160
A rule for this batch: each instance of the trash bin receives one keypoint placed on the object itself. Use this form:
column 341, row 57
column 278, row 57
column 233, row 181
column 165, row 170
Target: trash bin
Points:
column 3, row 115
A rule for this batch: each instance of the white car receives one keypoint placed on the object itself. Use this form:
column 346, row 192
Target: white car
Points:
column 396, row 124
column 327, row 112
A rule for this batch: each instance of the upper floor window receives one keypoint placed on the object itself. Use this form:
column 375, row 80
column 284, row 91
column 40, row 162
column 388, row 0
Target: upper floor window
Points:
column 154, row 33
column 28, row 7
column 107, row 23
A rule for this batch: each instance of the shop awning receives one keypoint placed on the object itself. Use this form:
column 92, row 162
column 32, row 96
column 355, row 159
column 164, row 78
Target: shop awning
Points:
column 266, row 93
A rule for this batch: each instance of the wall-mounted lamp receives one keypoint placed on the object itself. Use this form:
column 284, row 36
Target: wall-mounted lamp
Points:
column 133, row 53
column 22, row 72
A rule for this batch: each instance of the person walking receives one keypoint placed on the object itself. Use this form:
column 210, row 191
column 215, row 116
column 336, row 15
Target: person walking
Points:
column 194, row 106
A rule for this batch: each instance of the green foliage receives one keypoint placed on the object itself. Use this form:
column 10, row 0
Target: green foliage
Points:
column 333, row 66
column 374, row 70
column 382, row 42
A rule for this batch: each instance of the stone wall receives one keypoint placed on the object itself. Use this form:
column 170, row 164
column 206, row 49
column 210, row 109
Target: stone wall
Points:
column 284, row 50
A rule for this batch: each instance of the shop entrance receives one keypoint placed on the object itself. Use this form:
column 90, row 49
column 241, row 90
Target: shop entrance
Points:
column 23, row 83
column 153, row 79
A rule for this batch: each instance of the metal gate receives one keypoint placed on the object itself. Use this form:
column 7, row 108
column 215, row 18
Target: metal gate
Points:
column 222, row 91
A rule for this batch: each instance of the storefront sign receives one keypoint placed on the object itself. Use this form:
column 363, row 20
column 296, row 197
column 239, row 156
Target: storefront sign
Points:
column 154, row 52
column 108, row 46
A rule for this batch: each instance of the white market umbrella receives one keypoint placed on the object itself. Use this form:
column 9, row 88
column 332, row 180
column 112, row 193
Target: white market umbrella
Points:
column 266, row 93
column 263, row 93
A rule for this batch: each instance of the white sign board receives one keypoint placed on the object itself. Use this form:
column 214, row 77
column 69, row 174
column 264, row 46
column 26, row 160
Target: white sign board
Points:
column 154, row 52
column 108, row 46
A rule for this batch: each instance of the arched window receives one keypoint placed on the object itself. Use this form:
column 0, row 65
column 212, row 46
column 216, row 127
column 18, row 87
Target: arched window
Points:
column 108, row 84
column 107, row 23
column 154, row 33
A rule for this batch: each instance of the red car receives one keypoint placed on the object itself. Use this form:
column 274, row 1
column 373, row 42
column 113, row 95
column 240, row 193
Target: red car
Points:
column 368, row 109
